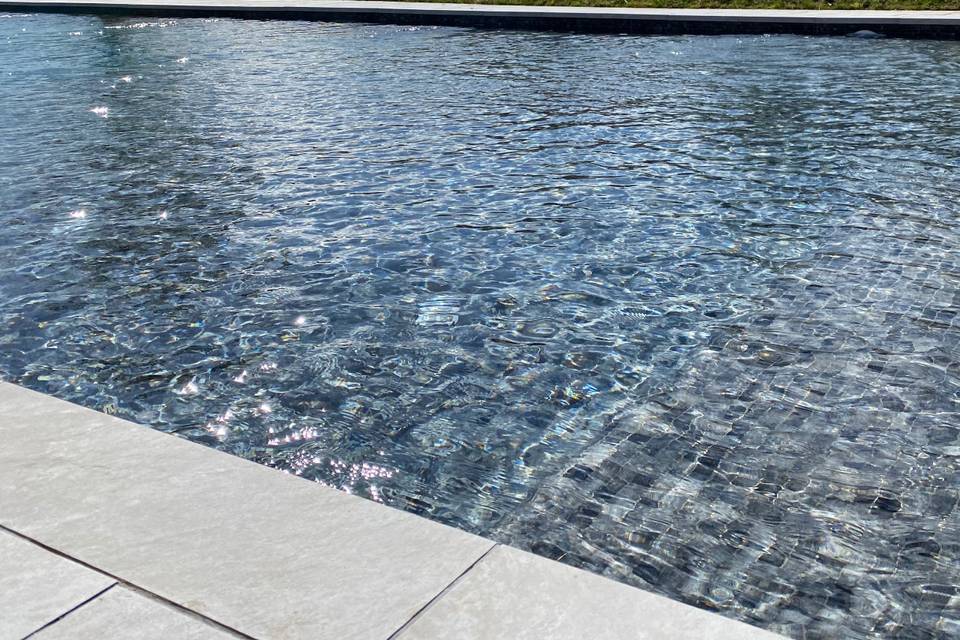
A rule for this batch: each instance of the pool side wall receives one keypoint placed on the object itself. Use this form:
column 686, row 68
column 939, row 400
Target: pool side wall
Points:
column 914, row 24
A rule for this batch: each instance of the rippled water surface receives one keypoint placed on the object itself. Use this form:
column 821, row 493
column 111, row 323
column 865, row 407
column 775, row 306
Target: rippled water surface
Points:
column 679, row 310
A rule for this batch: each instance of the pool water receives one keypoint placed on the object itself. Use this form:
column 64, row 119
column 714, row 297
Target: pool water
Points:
column 682, row 311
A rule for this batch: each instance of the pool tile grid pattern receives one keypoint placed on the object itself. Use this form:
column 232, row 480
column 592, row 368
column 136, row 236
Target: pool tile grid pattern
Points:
column 180, row 540
column 790, row 376
column 784, row 446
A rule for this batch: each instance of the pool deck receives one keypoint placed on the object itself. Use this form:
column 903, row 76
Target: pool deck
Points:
column 112, row 529
column 920, row 24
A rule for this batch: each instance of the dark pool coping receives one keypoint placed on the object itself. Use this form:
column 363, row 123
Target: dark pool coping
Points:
column 252, row 552
column 913, row 24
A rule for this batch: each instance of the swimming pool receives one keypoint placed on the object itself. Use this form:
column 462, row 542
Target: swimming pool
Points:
column 678, row 310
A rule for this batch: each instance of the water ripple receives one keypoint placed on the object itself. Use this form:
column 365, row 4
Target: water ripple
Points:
column 679, row 310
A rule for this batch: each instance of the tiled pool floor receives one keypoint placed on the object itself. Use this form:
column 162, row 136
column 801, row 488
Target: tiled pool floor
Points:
column 694, row 329
column 816, row 443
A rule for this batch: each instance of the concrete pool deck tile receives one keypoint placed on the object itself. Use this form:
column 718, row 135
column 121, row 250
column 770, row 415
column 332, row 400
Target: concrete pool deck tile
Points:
column 254, row 549
column 37, row 586
column 123, row 613
column 517, row 595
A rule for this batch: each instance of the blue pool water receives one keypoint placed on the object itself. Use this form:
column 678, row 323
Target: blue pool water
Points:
column 682, row 311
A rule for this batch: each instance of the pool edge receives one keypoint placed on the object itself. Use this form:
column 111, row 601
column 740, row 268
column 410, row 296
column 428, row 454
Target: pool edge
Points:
column 134, row 510
column 910, row 24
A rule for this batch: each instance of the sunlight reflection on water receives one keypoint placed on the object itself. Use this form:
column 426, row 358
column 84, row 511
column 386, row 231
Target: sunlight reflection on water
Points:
column 679, row 310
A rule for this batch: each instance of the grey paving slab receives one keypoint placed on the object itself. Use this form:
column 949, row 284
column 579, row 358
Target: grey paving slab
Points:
column 37, row 586
column 266, row 553
column 122, row 613
column 517, row 595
